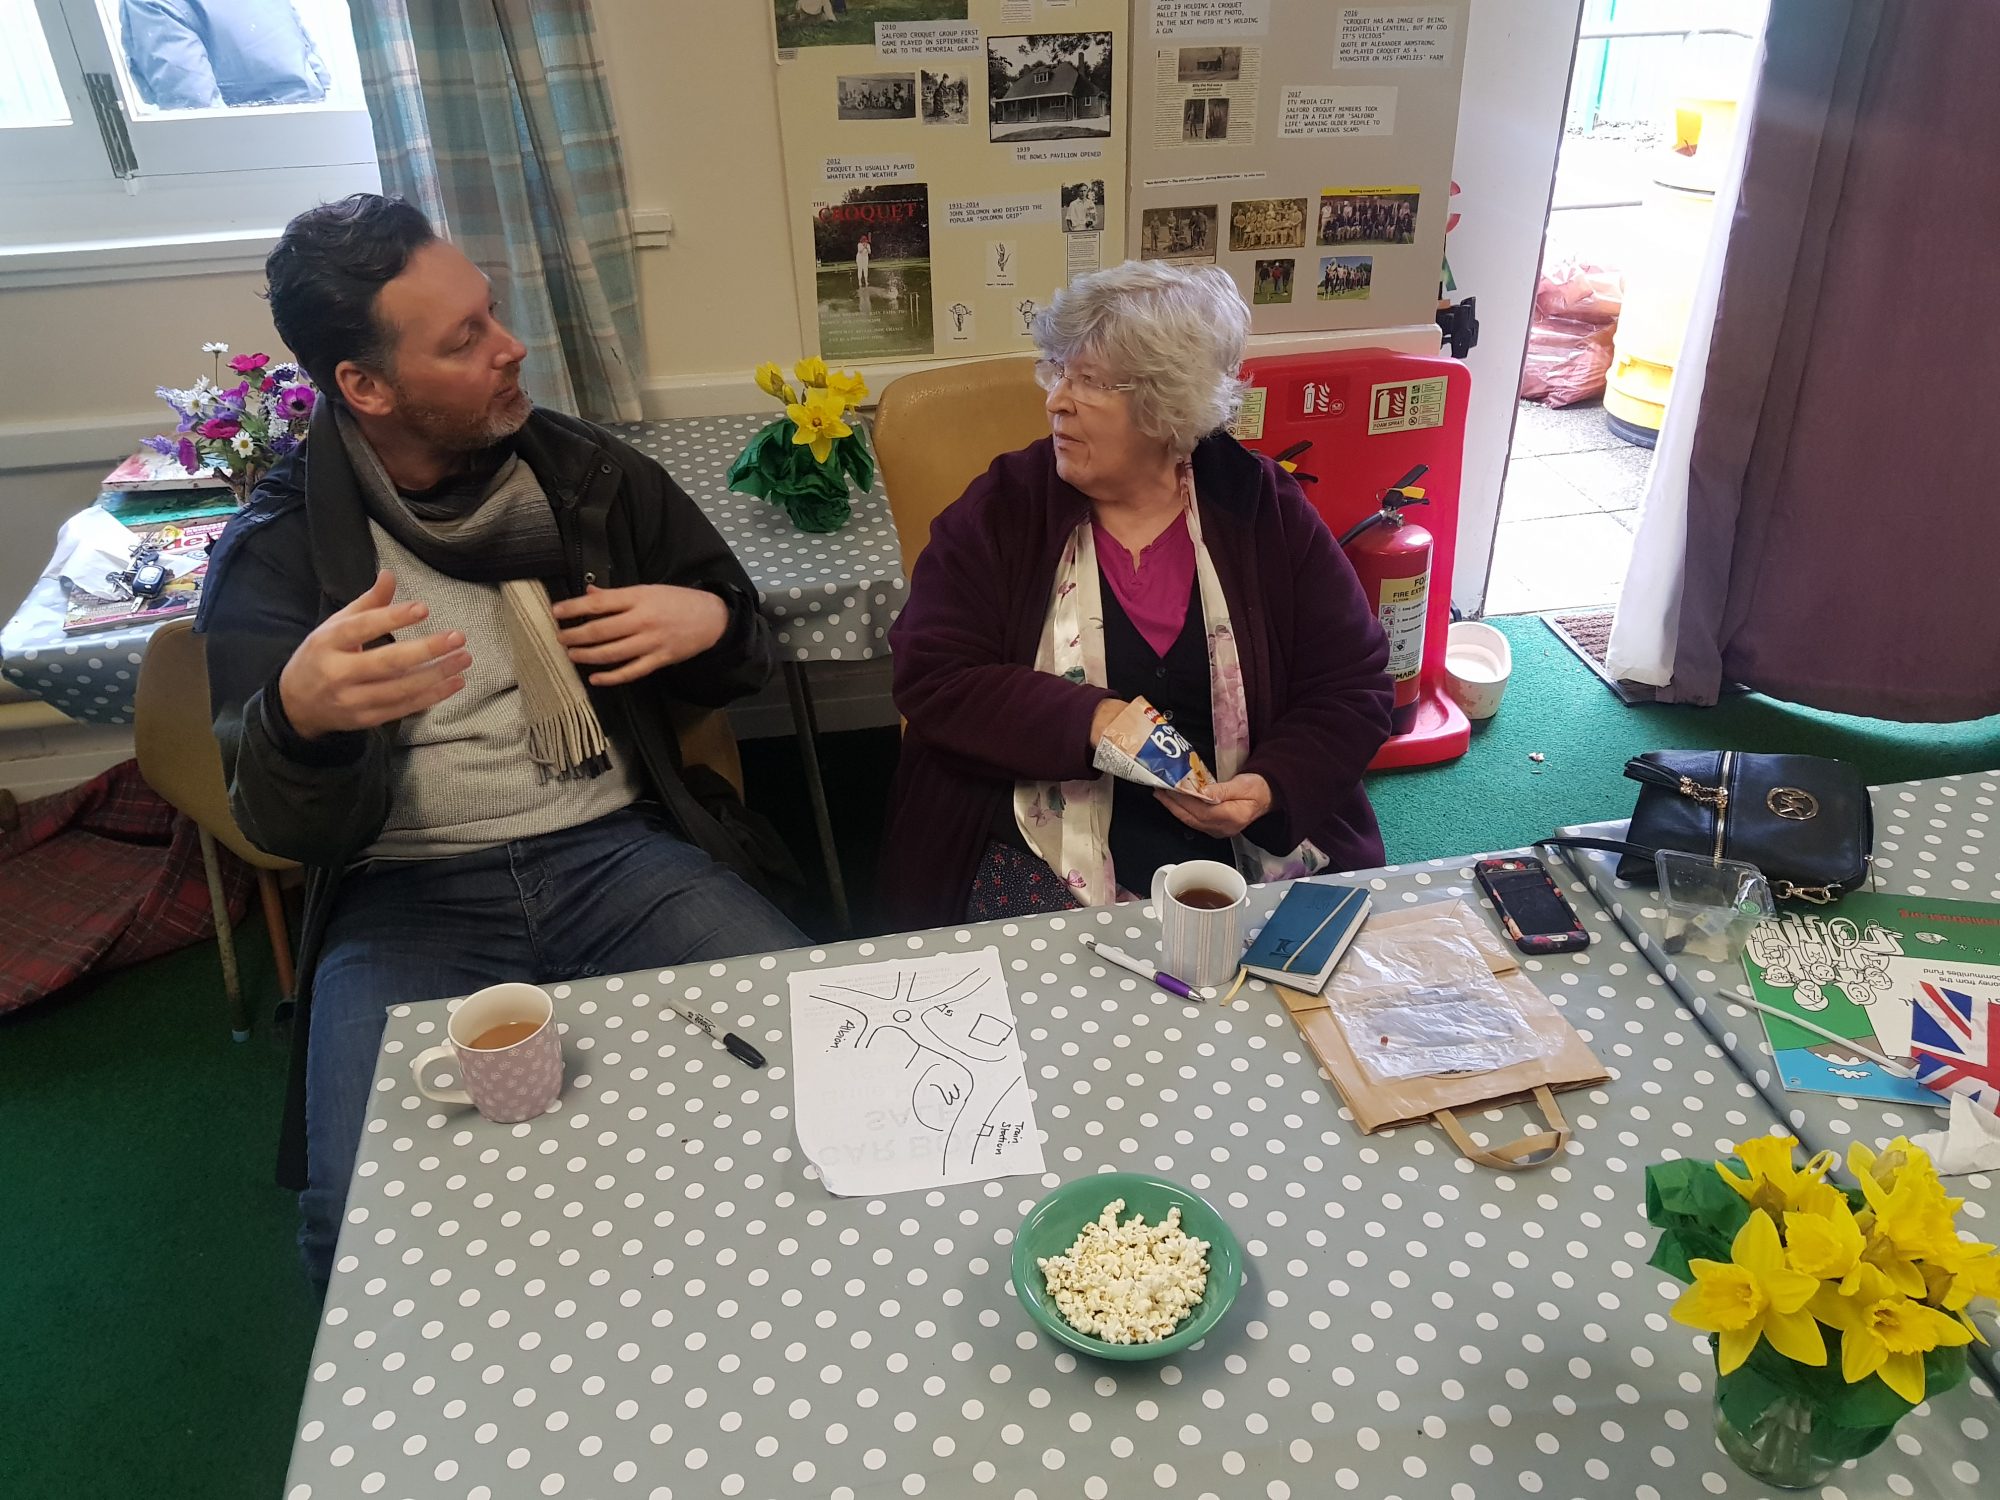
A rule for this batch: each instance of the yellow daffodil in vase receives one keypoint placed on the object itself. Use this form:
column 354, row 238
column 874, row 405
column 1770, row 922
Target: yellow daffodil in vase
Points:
column 807, row 459
column 1832, row 1312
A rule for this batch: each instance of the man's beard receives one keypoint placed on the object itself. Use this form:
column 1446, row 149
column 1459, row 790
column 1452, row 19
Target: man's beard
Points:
column 458, row 432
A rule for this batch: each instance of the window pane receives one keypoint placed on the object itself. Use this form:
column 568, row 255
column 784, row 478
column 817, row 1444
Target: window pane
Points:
column 30, row 92
column 175, row 57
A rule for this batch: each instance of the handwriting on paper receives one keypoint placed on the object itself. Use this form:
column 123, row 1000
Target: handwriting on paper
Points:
column 907, row 1074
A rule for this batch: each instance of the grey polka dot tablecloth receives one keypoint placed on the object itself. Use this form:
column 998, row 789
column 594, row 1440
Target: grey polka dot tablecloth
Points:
column 90, row 678
column 1932, row 838
column 646, row 1293
column 831, row 597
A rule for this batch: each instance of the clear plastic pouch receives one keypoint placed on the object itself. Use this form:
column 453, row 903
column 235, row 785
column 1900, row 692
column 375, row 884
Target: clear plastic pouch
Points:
column 1421, row 1000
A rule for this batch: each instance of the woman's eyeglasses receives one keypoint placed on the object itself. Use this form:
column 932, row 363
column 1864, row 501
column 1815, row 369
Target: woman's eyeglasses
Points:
column 1050, row 373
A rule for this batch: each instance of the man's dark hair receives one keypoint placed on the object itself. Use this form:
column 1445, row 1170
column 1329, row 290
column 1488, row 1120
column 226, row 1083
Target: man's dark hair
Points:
column 324, row 275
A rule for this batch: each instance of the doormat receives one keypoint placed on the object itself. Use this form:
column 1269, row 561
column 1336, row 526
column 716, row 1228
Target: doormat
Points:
column 1588, row 634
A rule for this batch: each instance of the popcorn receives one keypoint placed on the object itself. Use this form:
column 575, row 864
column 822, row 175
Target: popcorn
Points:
column 1128, row 1283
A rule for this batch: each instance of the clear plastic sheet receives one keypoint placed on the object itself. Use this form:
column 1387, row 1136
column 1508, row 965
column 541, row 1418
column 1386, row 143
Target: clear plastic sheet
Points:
column 1420, row 1000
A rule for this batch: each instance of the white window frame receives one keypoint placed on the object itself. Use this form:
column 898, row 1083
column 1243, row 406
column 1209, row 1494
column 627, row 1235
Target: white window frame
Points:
column 200, row 186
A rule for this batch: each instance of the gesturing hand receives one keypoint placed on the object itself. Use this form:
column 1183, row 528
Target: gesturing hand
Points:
column 334, row 683
column 639, row 629
column 1239, row 802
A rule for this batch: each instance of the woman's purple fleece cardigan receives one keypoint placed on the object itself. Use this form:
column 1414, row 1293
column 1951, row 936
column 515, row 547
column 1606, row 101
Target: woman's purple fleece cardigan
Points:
column 980, row 717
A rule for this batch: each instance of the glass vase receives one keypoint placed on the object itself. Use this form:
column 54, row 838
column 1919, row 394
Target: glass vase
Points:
column 1787, row 1443
column 242, row 480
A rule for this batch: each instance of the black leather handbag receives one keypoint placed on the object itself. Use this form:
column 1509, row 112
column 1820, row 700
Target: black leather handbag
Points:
column 1804, row 820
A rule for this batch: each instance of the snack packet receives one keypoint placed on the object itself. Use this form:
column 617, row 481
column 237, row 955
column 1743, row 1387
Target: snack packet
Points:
column 1141, row 746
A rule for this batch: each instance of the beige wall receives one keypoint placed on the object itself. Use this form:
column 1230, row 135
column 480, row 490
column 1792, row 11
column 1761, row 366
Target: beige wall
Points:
column 693, row 90
column 97, row 350
column 78, row 366
column 698, row 110
column 696, row 102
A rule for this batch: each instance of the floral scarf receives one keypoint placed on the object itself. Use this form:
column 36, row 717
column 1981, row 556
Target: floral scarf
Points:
column 1068, row 823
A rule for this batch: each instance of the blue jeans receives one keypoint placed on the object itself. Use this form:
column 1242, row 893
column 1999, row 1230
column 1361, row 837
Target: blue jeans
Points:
column 617, row 894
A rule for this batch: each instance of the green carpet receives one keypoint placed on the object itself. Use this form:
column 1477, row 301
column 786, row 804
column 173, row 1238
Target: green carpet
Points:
column 1494, row 797
column 154, row 1327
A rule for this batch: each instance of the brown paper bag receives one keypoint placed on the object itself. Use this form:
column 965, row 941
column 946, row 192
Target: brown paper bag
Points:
column 1377, row 1104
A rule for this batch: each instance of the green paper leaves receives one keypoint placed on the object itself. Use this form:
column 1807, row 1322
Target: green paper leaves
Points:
column 1697, row 1212
column 814, row 494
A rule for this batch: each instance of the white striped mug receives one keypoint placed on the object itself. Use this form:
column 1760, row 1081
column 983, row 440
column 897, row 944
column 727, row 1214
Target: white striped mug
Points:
column 1200, row 944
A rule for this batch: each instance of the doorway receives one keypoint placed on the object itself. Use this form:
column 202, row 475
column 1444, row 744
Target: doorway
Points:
column 1647, row 128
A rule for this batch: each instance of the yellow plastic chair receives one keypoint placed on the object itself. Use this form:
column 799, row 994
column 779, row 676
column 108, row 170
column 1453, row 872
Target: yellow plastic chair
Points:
column 937, row 431
column 180, row 760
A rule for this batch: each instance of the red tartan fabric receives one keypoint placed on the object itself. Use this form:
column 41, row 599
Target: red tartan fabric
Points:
column 103, row 875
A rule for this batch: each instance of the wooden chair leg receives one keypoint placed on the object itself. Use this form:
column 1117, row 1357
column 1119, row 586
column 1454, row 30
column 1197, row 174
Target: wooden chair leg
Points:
column 232, row 987
column 274, row 924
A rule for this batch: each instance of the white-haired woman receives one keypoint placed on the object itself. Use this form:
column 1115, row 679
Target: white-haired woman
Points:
column 1137, row 550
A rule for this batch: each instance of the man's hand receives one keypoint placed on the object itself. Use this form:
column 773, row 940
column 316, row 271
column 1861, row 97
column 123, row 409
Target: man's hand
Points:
column 333, row 683
column 639, row 629
column 1239, row 802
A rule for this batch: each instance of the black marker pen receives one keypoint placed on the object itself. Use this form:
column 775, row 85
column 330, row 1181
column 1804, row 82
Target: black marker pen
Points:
column 733, row 1044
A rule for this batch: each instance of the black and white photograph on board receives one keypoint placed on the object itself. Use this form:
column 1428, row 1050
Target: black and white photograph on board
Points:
column 943, row 96
column 1056, row 86
column 1083, row 206
column 877, row 96
column 1178, row 233
column 1210, row 64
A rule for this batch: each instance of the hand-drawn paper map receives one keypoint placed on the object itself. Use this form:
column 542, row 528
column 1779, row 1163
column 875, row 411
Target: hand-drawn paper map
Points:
column 907, row 1074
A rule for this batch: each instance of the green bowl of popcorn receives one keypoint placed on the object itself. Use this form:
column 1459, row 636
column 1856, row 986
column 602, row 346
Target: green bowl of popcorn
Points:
column 1125, row 1265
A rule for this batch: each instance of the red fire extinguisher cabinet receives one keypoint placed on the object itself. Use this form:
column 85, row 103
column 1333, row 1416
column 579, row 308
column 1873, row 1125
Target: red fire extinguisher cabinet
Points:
column 1351, row 424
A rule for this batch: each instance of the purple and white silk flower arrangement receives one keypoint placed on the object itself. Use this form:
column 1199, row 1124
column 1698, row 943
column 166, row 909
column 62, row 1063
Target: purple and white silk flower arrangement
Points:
column 237, row 426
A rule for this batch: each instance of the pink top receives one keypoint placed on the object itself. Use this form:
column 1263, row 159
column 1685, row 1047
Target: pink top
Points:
column 1154, row 594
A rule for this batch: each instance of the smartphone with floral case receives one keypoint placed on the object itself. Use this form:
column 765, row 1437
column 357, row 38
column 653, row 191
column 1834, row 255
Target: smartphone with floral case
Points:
column 1536, row 915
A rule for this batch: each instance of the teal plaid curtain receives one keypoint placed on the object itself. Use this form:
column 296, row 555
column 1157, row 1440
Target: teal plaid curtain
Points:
column 492, row 116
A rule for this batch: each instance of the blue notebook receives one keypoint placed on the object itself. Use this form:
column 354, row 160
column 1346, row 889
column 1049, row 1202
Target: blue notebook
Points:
column 1307, row 934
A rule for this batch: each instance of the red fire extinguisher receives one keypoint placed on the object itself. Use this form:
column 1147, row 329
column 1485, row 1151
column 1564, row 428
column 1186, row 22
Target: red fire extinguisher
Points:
column 1392, row 556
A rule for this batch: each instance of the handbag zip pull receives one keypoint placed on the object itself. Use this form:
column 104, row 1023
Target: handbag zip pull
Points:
column 1716, row 797
column 1640, row 769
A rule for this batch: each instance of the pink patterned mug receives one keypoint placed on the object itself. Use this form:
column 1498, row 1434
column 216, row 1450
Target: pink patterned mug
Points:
column 508, row 1051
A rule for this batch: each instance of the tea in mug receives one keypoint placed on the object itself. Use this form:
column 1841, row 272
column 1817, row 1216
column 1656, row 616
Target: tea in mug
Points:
column 1203, row 898
column 506, row 1034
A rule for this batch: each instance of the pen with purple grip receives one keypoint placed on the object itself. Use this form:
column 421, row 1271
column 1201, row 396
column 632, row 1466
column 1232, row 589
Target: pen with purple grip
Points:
column 1143, row 969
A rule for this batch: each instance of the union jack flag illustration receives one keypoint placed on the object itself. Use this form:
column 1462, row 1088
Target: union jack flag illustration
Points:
column 1955, row 1040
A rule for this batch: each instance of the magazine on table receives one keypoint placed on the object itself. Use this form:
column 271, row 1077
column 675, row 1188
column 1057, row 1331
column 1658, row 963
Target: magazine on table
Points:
column 147, row 470
column 96, row 604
